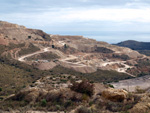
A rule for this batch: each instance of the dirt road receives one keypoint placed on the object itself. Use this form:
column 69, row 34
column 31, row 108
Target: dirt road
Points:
column 22, row 58
column 131, row 84
column 64, row 58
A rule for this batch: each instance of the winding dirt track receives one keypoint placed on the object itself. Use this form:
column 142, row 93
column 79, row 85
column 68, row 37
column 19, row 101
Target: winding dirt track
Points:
column 65, row 60
column 22, row 58
column 122, row 69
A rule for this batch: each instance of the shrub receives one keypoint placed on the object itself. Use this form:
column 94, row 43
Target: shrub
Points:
column 0, row 89
column 68, row 103
column 123, row 57
column 85, row 97
column 53, row 46
column 76, row 97
column 84, row 87
column 103, row 50
column 83, row 110
column 29, row 37
column 1, row 98
column 54, row 97
column 65, row 46
column 58, row 107
column 110, row 85
column 90, row 103
column 43, row 103
column 20, row 96
column 139, row 90
column 119, row 106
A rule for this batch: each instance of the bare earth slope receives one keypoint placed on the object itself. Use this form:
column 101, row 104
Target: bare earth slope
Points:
column 76, row 52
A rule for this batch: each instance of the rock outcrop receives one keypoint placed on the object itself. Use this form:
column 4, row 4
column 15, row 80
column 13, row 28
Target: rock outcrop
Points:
column 117, row 95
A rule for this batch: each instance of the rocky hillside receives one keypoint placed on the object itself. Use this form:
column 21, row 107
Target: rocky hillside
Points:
column 89, row 45
column 16, row 32
column 74, row 52
column 65, row 72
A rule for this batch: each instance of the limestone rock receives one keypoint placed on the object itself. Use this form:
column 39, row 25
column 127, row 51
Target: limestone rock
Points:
column 115, row 94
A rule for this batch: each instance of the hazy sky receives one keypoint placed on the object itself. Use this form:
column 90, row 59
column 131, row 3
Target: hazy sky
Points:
column 105, row 20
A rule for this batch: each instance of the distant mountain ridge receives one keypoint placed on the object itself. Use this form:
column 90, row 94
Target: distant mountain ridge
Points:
column 141, row 47
column 135, row 45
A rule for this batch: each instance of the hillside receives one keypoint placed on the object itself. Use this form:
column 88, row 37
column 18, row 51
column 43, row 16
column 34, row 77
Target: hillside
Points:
column 16, row 32
column 46, row 72
column 142, row 47
column 73, row 52
column 135, row 45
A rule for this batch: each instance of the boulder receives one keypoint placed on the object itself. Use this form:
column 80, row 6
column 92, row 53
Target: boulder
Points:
column 117, row 95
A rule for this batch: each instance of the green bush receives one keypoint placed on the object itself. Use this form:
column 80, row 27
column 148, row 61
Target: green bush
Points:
column 29, row 37
column 110, row 85
column 43, row 103
column 0, row 89
column 68, row 103
column 90, row 103
column 53, row 46
column 65, row 46
column 58, row 107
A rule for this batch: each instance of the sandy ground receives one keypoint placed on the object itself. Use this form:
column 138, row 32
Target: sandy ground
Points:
column 131, row 84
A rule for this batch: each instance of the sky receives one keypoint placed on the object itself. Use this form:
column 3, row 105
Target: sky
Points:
column 104, row 20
